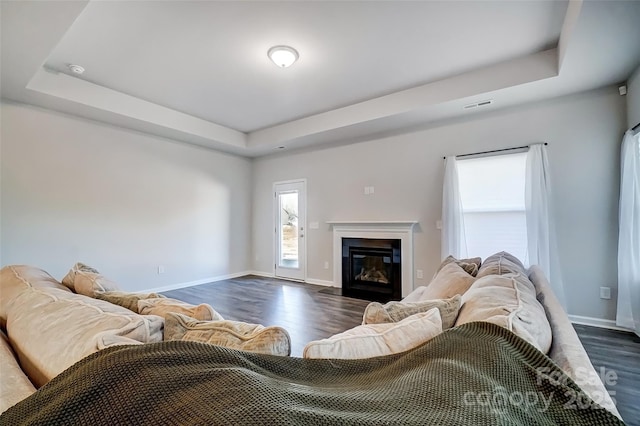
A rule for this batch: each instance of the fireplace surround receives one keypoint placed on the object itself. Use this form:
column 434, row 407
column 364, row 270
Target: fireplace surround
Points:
column 381, row 230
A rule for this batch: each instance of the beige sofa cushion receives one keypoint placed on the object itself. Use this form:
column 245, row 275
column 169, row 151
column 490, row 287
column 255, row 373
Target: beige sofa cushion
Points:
column 509, row 301
column 377, row 313
column 83, row 279
column 14, row 384
column 471, row 266
column 126, row 299
column 501, row 263
column 69, row 279
column 230, row 334
column 14, row 279
column 53, row 329
column 448, row 282
column 164, row 305
column 372, row 340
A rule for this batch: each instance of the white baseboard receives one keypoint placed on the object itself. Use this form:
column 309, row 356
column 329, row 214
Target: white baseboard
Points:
column 308, row 280
column 321, row 282
column 596, row 322
column 197, row 282
column 227, row 277
column 261, row 274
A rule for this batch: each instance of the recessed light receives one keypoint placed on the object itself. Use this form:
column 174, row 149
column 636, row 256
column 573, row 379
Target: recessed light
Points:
column 280, row 147
column 283, row 56
column 76, row 69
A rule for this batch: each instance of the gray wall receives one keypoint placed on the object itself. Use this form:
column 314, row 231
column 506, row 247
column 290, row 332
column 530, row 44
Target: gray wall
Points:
column 633, row 98
column 123, row 202
column 583, row 131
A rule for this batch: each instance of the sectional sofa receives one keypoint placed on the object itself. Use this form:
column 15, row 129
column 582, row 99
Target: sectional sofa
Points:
column 48, row 328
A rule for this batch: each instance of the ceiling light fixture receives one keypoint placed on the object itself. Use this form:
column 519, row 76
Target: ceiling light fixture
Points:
column 283, row 56
column 76, row 69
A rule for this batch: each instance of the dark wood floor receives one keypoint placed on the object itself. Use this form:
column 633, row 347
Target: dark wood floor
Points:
column 310, row 312
column 304, row 310
column 616, row 352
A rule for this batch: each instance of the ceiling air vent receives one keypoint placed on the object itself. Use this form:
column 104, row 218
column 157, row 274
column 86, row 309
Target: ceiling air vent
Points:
column 479, row 104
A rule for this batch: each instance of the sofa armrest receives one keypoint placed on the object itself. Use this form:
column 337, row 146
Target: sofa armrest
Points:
column 566, row 349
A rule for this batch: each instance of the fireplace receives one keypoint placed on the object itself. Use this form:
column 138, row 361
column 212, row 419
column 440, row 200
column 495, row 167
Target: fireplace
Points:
column 401, row 230
column 371, row 269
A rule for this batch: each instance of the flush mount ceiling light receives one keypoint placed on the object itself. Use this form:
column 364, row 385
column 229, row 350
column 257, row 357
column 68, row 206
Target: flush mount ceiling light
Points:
column 283, row 56
column 76, row 69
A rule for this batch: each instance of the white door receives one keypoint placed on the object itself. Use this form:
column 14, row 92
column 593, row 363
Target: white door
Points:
column 290, row 219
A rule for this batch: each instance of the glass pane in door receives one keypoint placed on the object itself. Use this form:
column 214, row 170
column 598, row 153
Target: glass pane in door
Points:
column 289, row 230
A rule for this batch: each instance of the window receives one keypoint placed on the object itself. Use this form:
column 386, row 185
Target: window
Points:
column 492, row 193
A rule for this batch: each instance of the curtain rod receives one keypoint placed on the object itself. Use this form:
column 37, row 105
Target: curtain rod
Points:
column 492, row 151
column 636, row 126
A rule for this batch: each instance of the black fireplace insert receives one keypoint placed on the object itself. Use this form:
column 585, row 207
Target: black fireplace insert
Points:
column 371, row 269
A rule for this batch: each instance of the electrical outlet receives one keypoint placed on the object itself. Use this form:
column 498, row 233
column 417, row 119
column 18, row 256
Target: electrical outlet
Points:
column 605, row 292
column 326, row 265
column 419, row 274
column 160, row 269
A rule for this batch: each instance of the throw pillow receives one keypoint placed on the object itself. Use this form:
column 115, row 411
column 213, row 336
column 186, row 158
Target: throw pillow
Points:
column 69, row 279
column 230, row 334
column 85, row 280
column 164, row 305
column 126, row 299
column 451, row 280
column 377, row 313
column 471, row 265
column 372, row 340
column 508, row 300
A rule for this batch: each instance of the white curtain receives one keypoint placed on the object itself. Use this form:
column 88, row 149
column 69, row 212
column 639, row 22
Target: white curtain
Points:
column 541, row 236
column 453, row 240
column 628, row 314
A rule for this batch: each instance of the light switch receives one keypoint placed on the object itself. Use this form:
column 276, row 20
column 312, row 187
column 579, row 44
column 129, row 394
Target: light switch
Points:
column 419, row 274
column 438, row 224
column 314, row 225
column 371, row 190
column 366, row 190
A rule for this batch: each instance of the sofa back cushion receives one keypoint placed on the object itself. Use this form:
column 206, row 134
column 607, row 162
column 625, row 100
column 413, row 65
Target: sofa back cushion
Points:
column 14, row 279
column 52, row 329
column 509, row 301
column 501, row 263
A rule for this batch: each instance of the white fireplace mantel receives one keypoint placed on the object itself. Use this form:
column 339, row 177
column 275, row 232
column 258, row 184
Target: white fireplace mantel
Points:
column 389, row 230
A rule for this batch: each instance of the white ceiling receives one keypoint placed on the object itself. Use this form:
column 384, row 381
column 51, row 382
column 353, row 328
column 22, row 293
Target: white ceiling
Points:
column 198, row 71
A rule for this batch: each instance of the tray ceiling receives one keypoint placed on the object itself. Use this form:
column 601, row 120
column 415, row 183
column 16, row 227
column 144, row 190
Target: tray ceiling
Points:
column 198, row 71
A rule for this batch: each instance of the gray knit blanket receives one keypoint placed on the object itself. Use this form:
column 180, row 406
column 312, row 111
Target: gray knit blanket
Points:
column 475, row 374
